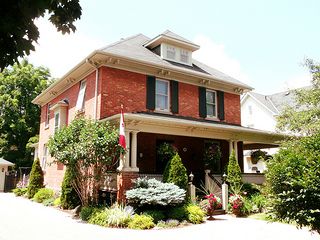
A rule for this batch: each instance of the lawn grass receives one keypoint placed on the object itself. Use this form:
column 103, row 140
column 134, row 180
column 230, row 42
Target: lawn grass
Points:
column 259, row 216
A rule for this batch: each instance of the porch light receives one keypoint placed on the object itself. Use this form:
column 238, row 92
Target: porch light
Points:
column 224, row 178
column 191, row 176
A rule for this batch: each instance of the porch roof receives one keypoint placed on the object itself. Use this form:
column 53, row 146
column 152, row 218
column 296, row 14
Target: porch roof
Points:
column 172, row 125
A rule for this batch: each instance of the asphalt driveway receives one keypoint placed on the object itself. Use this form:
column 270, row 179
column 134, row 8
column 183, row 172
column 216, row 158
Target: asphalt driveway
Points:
column 21, row 219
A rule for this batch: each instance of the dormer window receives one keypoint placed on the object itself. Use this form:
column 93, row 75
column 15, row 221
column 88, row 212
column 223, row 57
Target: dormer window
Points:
column 171, row 52
column 184, row 56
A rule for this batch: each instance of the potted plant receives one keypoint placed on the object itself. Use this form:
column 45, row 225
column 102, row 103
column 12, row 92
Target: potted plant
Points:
column 210, row 204
column 237, row 203
column 257, row 155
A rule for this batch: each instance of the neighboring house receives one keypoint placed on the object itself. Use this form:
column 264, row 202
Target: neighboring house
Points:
column 167, row 97
column 260, row 112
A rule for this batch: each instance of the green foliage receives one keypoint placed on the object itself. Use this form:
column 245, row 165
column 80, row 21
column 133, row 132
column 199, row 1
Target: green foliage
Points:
column 250, row 189
column 86, row 144
column 166, row 152
column 69, row 197
column 99, row 217
column 20, row 191
column 57, row 202
column 43, row 194
column 20, row 120
column 178, row 213
column 234, row 172
column 141, row 222
column 259, row 203
column 150, row 192
column 176, row 172
column 48, row 202
column 119, row 215
column 195, row 214
column 259, row 155
column 86, row 212
column 293, row 182
column 171, row 223
column 157, row 215
column 36, row 179
column 18, row 32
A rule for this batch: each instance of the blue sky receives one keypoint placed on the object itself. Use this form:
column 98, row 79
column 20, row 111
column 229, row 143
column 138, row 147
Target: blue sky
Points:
column 262, row 43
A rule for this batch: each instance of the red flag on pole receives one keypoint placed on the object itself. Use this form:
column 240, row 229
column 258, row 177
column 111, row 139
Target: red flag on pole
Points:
column 122, row 137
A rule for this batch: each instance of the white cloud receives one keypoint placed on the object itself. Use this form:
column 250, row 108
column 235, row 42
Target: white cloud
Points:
column 59, row 52
column 213, row 54
column 301, row 80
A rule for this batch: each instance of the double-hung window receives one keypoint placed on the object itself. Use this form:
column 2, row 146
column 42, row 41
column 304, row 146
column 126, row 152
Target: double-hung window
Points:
column 47, row 116
column 162, row 95
column 211, row 103
column 56, row 121
column 184, row 56
column 44, row 157
column 81, row 95
column 171, row 52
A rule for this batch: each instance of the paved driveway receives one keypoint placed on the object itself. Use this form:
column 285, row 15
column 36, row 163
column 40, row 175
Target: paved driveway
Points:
column 21, row 219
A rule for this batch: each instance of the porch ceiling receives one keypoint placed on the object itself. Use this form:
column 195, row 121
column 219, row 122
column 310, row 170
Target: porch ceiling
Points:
column 161, row 124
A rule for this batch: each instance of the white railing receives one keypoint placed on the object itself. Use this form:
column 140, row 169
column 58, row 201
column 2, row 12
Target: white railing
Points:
column 151, row 175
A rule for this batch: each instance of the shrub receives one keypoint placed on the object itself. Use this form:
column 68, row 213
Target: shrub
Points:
column 155, row 193
column 98, row 217
column 20, row 191
column 161, row 224
column 234, row 172
column 119, row 216
column 250, row 189
column 176, row 172
column 171, row 223
column 48, row 202
column 69, row 197
column 195, row 214
column 141, row 222
column 86, row 212
column 157, row 215
column 259, row 203
column 36, row 179
column 57, row 202
column 43, row 194
column 165, row 152
column 178, row 213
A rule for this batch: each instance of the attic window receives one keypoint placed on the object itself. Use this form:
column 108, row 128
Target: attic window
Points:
column 171, row 52
column 184, row 56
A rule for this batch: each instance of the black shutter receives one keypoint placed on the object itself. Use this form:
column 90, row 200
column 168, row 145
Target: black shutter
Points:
column 151, row 92
column 174, row 96
column 220, row 105
column 202, row 102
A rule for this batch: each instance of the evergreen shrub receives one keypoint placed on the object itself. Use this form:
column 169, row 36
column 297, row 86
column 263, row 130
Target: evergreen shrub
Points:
column 234, row 172
column 152, row 193
column 43, row 194
column 36, row 179
column 141, row 222
column 176, row 173
column 69, row 197
column 86, row 212
column 20, row 191
column 178, row 213
column 157, row 215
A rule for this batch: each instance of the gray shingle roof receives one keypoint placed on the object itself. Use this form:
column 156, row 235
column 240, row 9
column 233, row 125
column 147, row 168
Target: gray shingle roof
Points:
column 133, row 47
column 176, row 36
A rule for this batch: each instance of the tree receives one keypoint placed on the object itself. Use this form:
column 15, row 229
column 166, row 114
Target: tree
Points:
column 234, row 172
column 175, row 172
column 19, row 118
column 69, row 197
column 293, row 174
column 36, row 179
column 18, row 31
column 89, row 149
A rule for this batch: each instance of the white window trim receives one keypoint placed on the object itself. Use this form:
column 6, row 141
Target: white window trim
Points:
column 178, row 50
column 44, row 157
column 47, row 121
column 56, row 126
column 168, row 102
column 215, row 104
column 81, row 96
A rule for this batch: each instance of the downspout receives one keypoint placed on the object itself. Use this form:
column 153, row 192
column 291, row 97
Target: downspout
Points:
column 95, row 88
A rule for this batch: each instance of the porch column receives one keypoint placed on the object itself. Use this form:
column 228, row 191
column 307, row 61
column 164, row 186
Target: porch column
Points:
column 230, row 147
column 134, row 167
column 127, row 155
column 236, row 150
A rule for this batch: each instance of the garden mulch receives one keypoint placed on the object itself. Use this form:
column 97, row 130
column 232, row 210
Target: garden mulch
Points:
column 23, row 219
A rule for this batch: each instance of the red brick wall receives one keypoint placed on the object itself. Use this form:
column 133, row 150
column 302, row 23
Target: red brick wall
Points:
column 188, row 100
column 124, row 182
column 232, row 108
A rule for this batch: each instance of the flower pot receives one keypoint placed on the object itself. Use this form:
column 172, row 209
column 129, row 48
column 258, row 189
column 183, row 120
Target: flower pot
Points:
column 236, row 212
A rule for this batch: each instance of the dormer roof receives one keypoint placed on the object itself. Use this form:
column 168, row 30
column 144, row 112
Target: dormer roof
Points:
column 173, row 39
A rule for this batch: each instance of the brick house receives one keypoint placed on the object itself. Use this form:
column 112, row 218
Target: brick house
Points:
column 167, row 97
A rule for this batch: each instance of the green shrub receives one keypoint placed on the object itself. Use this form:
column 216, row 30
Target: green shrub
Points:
column 48, row 202
column 141, row 222
column 250, row 189
column 57, row 202
column 247, row 207
column 155, row 193
column 20, row 191
column 43, row 194
column 161, row 224
column 171, row 223
column 195, row 214
column 157, row 215
column 234, row 172
column 259, row 203
column 176, row 172
column 98, row 217
column 119, row 216
column 86, row 212
column 178, row 213
column 69, row 197
column 165, row 153
column 36, row 179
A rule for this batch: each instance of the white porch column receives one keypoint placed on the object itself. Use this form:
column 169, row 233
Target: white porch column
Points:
column 236, row 150
column 134, row 152
column 127, row 155
column 230, row 147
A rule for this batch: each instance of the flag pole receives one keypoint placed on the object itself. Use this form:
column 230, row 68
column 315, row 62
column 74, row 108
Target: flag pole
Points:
column 122, row 138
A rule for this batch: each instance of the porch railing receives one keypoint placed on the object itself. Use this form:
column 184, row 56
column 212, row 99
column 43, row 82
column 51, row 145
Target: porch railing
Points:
column 151, row 175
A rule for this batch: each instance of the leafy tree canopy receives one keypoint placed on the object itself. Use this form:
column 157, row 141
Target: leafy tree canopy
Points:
column 18, row 31
column 19, row 117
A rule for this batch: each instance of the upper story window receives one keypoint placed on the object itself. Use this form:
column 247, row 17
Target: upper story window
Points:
column 47, row 116
column 184, row 56
column 56, row 121
column 81, row 95
column 162, row 95
column 171, row 52
column 211, row 103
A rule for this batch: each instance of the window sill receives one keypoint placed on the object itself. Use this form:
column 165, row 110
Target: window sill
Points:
column 46, row 127
column 212, row 118
column 162, row 111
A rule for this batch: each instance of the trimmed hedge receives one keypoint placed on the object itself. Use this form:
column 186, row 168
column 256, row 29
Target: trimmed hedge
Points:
column 36, row 179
